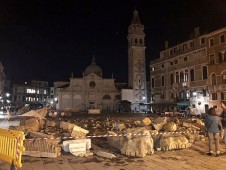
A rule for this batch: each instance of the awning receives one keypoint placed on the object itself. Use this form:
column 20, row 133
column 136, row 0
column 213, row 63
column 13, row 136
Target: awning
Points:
column 162, row 104
column 187, row 103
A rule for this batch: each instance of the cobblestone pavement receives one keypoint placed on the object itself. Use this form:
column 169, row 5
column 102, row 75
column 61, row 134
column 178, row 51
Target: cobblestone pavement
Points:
column 191, row 158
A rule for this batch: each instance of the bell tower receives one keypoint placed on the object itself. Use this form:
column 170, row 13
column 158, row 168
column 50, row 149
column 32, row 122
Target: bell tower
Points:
column 136, row 59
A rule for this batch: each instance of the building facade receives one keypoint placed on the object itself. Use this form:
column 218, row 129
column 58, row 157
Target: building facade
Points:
column 137, row 89
column 34, row 93
column 216, row 54
column 91, row 91
column 181, row 76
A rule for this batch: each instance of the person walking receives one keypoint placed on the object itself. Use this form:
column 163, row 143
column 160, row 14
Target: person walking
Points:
column 223, row 119
column 213, row 126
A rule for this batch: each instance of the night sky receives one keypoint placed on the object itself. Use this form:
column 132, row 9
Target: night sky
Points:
column 49, row 39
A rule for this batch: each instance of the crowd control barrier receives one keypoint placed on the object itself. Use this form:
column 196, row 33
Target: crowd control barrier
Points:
column 11, row 146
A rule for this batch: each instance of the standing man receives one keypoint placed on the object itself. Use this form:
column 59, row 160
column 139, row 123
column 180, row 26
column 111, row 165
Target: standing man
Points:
column 223, row 120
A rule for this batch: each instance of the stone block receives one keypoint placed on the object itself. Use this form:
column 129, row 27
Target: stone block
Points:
column 66, row 144
column 170, row 127
column 173, row 141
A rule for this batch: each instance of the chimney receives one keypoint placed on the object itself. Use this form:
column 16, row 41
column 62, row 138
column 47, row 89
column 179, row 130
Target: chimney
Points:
column 196, row 31
column 166, row 45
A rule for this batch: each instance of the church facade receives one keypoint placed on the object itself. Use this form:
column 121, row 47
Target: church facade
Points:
column 91, row 91
column 94, row 91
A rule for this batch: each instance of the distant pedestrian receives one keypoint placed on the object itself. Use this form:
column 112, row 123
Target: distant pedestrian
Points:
column 9, row 115
column 223, row 120
column 213, row 126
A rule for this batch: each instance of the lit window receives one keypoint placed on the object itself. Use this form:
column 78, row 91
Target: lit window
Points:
column 30, row 90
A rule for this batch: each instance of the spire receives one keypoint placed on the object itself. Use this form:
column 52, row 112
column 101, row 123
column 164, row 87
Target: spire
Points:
column 93, row 60
column 136, row 19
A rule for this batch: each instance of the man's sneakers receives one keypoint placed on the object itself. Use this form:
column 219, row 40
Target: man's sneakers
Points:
column 217, row 155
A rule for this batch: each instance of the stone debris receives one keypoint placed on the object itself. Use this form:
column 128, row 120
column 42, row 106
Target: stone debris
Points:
column 67, row 125
column 118, row 126
column 189, row 125
column 105, row 154
column 50, row 123
column 40, row 147
column 146, row 121
column 78, row 132
column 159, row 123
column 40, row 135
column 135, row 137
column 170, row 127
column 31, row 124
column 173, row 141
column 86, row 142
column 133, row 145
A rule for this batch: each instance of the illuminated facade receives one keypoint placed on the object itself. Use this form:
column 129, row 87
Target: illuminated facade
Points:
column 35, row 93
column 192, row 73
column 137, row 91
column 216, row 55
column 88, row 92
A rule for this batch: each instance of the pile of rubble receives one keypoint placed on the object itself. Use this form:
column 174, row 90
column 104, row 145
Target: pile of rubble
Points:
column 48, row 136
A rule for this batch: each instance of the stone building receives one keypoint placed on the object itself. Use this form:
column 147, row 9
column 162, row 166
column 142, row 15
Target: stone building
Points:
column 137, row 85
column 88, row 92
column 216, row 54
column 179, row 78
column 35, row 93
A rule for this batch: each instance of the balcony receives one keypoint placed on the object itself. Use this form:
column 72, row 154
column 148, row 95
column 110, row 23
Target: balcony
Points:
column 181, row 85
